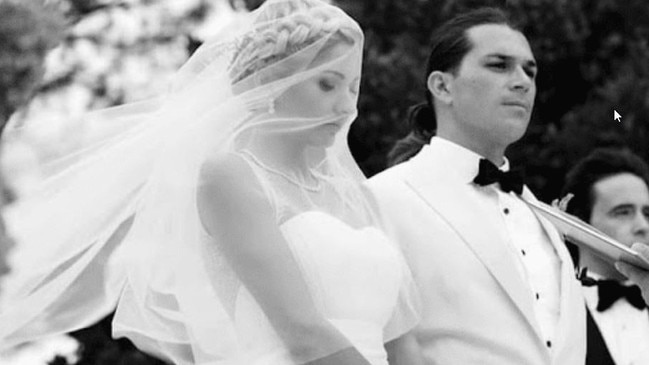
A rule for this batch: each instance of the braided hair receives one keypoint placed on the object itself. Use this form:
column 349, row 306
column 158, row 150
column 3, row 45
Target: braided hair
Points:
column 286, row 28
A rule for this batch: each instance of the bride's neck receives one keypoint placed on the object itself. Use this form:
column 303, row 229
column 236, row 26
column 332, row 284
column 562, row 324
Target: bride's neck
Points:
column 288, row 155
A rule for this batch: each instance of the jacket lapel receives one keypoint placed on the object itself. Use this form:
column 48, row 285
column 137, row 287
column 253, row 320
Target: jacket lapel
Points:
column 475, row 221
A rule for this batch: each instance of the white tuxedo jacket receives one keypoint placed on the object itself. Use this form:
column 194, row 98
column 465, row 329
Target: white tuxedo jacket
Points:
column 476, row 307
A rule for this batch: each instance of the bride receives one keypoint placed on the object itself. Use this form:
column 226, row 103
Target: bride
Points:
column 226, row 221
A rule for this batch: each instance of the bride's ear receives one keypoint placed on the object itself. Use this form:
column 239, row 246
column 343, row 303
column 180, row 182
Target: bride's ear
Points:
column 440, row 86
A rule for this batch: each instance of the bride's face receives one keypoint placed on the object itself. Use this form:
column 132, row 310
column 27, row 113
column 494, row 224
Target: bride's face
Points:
column 324, row 103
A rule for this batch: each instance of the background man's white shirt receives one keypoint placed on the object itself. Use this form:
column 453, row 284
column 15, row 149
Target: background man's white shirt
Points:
column 624, row 328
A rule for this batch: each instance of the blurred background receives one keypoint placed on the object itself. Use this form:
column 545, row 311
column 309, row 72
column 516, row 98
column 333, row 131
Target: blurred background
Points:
column 593, row 58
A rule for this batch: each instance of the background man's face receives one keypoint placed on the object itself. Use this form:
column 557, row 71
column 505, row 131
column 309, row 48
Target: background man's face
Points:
column 621, row 208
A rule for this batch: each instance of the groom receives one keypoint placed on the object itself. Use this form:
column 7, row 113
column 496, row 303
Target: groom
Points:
column 498, row 285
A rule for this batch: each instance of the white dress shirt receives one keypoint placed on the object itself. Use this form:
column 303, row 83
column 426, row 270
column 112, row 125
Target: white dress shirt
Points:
column 537, row 261
column 624, row 328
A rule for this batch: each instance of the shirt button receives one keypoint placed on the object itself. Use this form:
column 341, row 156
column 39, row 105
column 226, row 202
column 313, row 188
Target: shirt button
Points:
column 548, row 344
column 523, row 252
column 506, row 210
column 537, row 296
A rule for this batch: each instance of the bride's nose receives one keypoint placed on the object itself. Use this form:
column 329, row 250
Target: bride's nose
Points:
column 346, row 104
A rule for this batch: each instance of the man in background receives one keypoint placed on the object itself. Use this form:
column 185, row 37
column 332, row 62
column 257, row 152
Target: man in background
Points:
column 610, row 190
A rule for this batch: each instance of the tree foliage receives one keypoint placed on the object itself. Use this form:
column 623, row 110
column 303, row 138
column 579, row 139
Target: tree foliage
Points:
column 28, row 30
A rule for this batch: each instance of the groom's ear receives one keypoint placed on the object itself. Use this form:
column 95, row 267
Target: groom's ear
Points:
column 439, row 84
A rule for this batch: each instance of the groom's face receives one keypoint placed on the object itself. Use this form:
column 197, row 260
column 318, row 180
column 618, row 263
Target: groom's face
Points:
column 494, row 88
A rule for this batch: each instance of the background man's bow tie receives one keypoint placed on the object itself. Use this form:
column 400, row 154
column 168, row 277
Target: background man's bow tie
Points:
column 489, row 174
column 610, row 291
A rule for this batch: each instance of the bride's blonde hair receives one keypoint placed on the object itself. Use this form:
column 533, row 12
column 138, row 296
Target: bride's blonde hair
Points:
column 285, row 29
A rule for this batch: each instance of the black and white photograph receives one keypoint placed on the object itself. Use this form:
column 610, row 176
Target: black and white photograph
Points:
column 324, row 182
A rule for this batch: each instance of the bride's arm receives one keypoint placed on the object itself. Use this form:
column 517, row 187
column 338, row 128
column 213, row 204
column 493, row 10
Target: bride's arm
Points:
column 404, row 350
column 236, row 212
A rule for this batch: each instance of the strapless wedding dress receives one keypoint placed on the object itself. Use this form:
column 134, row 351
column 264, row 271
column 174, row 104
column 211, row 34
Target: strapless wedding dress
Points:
column 354, row 275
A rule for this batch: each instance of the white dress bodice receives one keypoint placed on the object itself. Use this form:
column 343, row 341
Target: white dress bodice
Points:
column 354, row 276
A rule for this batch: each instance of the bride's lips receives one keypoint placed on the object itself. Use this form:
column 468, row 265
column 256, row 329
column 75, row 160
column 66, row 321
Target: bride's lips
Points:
column 333, row 127
column 338, row 123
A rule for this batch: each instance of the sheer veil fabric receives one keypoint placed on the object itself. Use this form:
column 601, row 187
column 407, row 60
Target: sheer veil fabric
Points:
column 208, row 215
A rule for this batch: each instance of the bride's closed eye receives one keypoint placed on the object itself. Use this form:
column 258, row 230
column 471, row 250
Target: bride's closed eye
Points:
column 326, row 84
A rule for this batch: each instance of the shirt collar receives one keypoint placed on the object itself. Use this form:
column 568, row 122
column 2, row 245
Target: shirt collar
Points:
column 463, row 161
column 596, row 276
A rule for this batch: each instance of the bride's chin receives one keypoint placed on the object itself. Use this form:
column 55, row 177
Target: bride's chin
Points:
column 322, row 140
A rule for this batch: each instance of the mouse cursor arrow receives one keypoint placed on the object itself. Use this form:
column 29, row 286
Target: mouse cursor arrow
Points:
column 616, row 116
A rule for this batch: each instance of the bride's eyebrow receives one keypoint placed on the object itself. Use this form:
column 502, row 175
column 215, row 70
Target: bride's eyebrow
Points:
column 339, row 74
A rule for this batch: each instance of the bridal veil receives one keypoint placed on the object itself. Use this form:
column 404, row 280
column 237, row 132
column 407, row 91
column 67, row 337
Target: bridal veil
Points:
column 116, row 224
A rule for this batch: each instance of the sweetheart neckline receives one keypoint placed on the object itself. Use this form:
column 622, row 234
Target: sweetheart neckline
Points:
column 329, row 216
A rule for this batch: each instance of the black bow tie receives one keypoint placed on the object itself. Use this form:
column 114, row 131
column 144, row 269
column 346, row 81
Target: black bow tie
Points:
column 488, row 174
column 610, row 291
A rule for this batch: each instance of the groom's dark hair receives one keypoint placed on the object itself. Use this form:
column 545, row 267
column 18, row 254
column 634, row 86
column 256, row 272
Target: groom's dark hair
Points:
column 449, row 44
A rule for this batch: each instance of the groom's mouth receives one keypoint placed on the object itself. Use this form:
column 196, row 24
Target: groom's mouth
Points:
column 517, row 104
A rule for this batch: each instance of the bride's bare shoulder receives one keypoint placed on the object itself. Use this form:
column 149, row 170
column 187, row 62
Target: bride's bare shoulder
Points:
column 228, row 179
column 227, row 169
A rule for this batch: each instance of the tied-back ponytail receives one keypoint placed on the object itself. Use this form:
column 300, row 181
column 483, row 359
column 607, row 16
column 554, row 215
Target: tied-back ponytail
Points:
column 421, row 118
column 422, row 121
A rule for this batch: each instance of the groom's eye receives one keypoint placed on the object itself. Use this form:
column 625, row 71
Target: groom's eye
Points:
column 530, row 71
column 498, row 65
